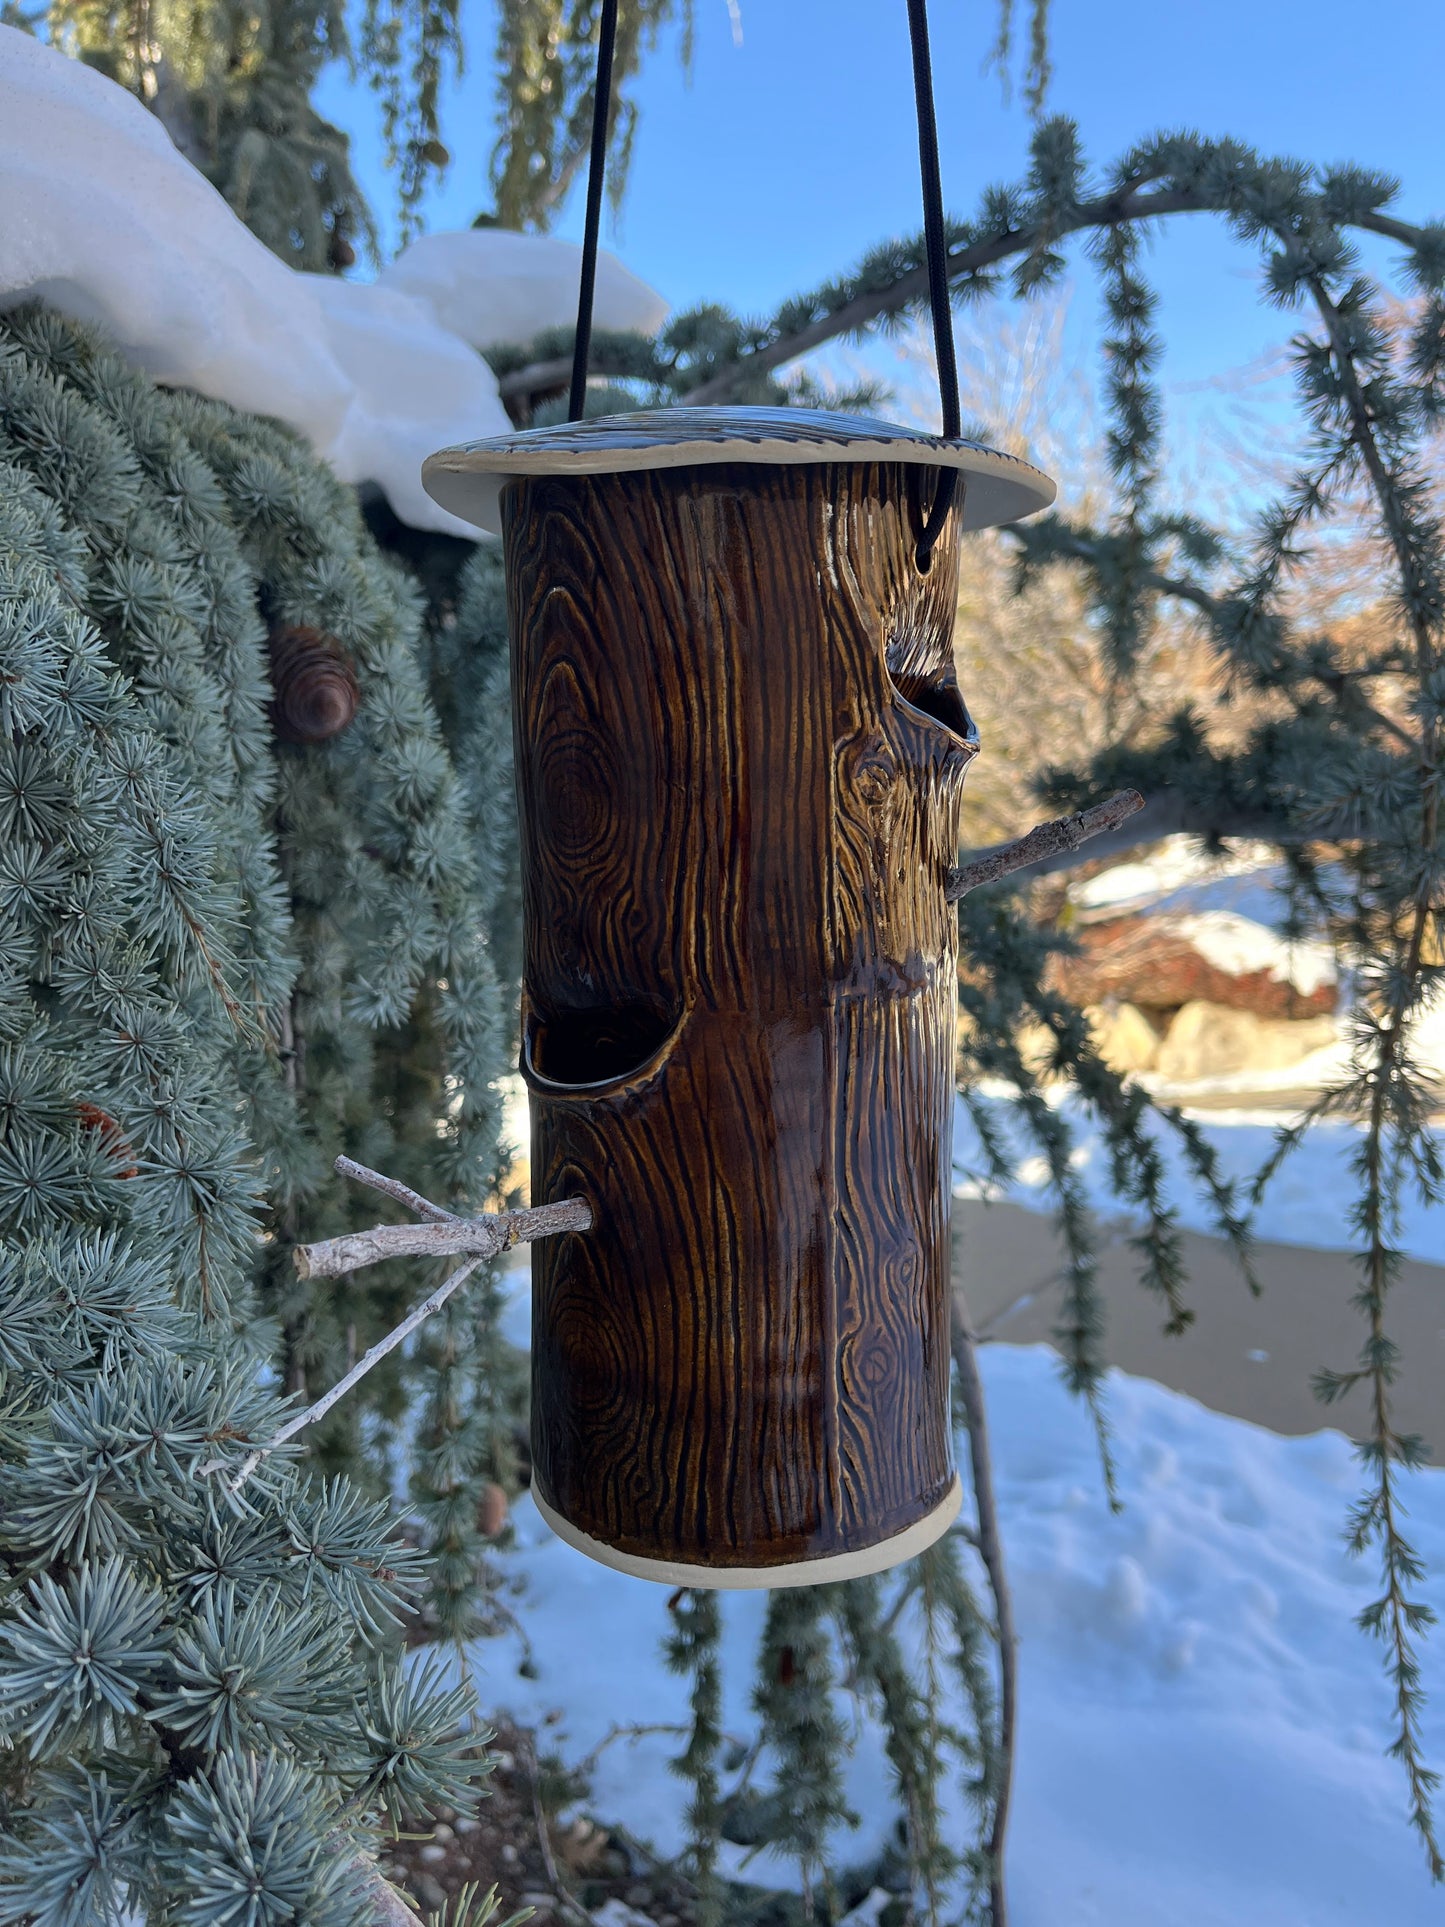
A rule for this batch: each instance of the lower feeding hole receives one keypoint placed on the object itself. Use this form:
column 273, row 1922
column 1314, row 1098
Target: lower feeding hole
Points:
column 597, row 1046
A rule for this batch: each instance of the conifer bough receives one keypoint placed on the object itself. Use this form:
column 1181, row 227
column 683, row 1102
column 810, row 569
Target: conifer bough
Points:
column 201, row 1698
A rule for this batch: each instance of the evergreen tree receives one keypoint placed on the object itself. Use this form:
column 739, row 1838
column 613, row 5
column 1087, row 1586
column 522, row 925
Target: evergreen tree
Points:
column 234, row 84
column 202, row 1696
column 240, row 931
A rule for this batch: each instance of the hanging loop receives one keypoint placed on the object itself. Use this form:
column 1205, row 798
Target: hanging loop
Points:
column 932, row 494
column 596, row 168
column 934, row 237
column 935, row 242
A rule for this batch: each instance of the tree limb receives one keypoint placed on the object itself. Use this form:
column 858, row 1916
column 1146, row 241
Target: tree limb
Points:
column 1130, row 203
column 537, row 378
column 1342, row 685
column 1127, row 204
column 168, row 101
column 964, row 1346
column 1167, row 813
column 1061, row 837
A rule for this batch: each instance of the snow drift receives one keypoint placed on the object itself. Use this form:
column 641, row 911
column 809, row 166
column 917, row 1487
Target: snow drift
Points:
column 1202, row 1726
column 104, row 220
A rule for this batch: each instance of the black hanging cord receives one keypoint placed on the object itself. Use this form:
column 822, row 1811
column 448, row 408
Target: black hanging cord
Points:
column 596, row 167
column 935, row 244
column 936, row 247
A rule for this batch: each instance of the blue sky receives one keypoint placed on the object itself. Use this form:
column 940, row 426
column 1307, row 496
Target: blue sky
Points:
column 779, row 160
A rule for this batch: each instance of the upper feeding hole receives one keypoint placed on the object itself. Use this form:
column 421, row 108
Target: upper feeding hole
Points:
column 937, row 695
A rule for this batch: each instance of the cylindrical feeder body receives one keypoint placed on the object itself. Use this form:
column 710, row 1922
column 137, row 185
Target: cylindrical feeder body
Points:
column 740, row 749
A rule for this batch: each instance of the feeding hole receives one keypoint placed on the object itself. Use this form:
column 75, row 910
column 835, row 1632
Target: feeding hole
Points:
column 583, row 1047
column 941, row 700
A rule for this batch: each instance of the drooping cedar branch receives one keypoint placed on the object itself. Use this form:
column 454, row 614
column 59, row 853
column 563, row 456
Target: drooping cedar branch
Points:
column 964, row 1346
column 1395, row 1617
column 1127, row 203
column 1060, row 837
column 1347, row 686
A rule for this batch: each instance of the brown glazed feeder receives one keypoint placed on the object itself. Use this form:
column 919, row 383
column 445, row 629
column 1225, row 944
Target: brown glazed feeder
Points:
column 740, row 753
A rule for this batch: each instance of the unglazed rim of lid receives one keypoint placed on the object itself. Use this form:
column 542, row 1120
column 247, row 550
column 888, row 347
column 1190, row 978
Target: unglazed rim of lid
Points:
column 469, row 479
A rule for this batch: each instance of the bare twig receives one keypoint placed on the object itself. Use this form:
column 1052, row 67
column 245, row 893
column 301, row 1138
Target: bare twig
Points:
column 479, row 1237
column 394, row 1188
column 358, row 1371
column 566, row 1899
column 390, row 1907
column 964, row 1346
column 636, row 1730
column 1065, row 833
column 539, row 1816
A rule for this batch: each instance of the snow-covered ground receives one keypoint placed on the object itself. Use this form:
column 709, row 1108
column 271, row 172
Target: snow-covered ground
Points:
column 1201, row 1725
column 1308, row 1203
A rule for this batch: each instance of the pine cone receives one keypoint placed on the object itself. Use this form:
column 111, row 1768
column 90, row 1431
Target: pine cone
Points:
column 113, row 1140
column 316, row 691
column 492, row 1510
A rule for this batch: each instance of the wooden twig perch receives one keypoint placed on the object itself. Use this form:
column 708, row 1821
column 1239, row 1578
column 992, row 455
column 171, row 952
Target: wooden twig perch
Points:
column 479, row 1238
column 1043, row 841
column 394, row 1188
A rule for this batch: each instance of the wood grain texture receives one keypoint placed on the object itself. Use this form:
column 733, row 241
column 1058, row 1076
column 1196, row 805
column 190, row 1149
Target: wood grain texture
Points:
column 740, row 751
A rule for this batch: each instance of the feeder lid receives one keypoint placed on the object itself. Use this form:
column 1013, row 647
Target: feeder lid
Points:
column 469, row 479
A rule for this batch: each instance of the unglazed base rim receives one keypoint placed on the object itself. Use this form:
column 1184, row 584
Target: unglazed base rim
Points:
column 800, row 1572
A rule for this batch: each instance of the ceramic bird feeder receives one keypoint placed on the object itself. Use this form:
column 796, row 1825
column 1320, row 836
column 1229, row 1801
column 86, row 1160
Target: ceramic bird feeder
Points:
column 740, row 747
